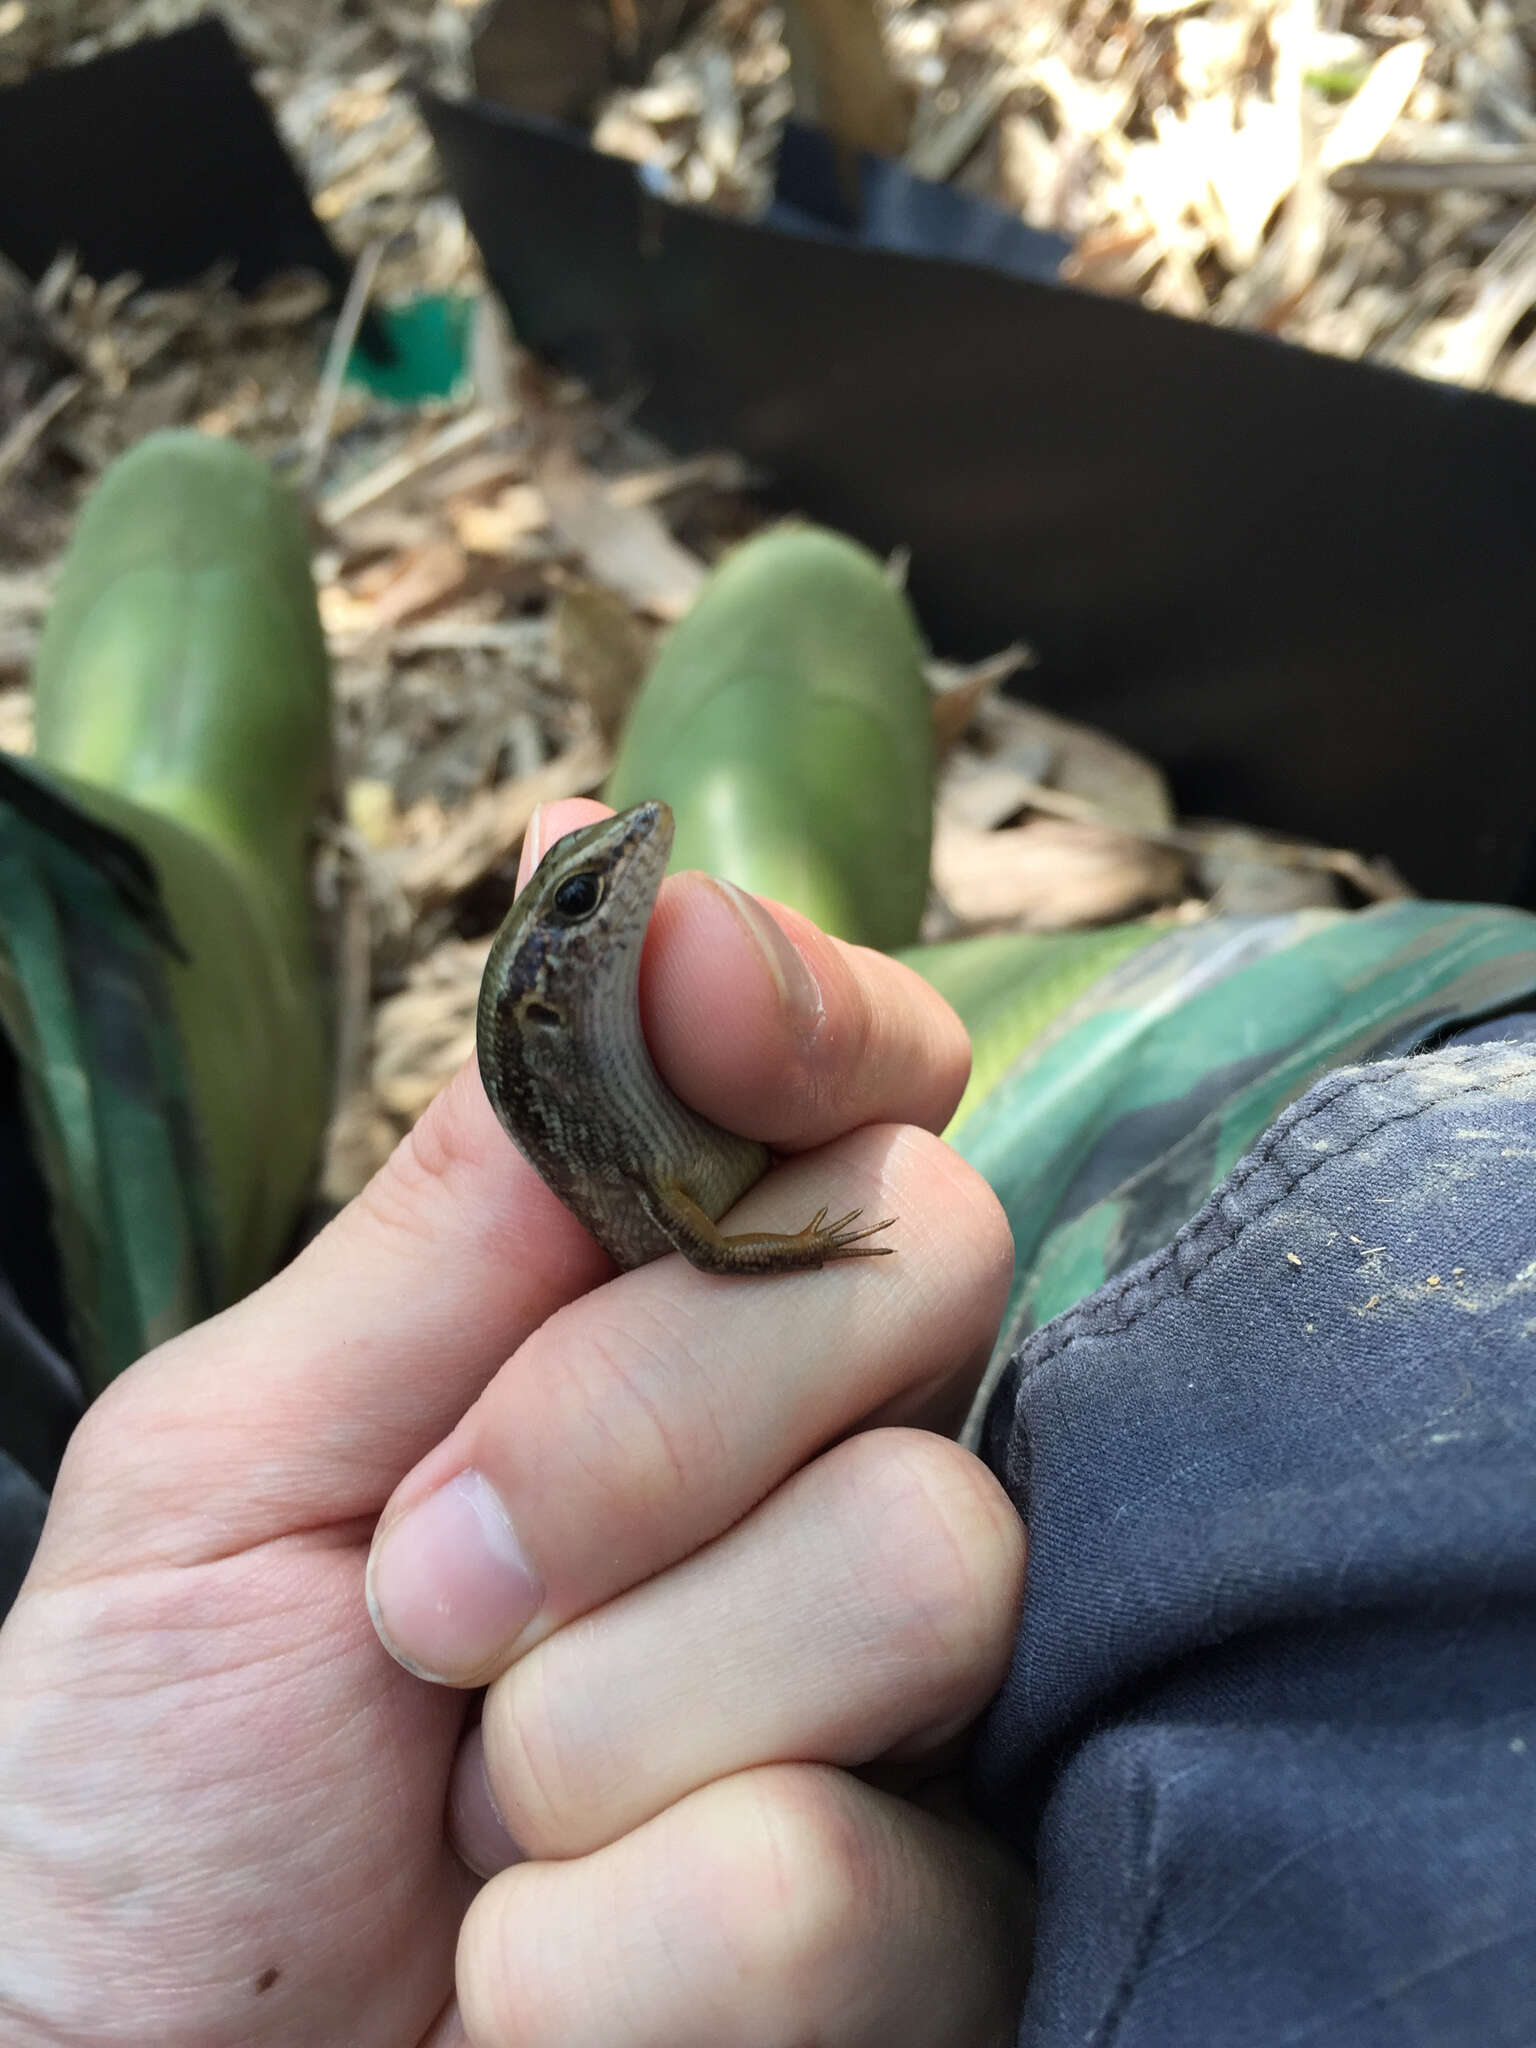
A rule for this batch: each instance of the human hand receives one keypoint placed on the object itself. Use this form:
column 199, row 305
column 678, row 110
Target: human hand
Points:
column 225, row 1813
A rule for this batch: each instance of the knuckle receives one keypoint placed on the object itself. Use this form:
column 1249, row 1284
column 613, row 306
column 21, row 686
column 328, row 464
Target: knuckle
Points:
column 960, row 1228
column 616, row 1377
column 965, row 1202
column 793, row 1875
column 536, row 1748
column 987, row 1222
column 945, row 1544
column 500, row 1988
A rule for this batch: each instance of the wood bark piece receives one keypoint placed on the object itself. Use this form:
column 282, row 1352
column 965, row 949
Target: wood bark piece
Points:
column 842, row 77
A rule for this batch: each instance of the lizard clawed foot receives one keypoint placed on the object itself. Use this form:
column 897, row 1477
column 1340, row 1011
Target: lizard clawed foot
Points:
column 695, row 1234
column 837, row 1241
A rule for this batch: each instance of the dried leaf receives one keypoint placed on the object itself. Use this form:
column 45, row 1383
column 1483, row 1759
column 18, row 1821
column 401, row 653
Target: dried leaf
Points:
column 843, row 78
column 1121, row 786
column 983, row 795
column 407, row 465
column 625, row 546
column 1163, row 10
column 496, row 529
column 1232, row 869
column 1466, row 346
column 959, row 687
column 716, row 471
column 26, row 432
column 419, row 582
column 1049, row 875
column 1369, row 117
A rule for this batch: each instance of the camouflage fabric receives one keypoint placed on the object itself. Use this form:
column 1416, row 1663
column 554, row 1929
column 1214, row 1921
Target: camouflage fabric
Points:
column 1103, row 1127
column 85, row 1006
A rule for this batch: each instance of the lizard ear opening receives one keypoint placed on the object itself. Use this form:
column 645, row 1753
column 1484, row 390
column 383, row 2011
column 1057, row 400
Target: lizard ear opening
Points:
column 578, row 896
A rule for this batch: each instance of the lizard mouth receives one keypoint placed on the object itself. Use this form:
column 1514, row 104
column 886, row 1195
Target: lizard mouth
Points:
column 649, row 821
column 634, row 845
column 641, row 847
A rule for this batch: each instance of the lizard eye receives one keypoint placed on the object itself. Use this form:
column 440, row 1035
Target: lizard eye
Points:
column 578, row 896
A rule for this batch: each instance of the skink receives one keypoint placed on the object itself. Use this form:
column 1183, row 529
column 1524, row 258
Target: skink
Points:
column 563, row 1060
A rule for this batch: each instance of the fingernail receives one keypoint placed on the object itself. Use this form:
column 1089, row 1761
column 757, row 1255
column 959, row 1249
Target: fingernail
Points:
column 783, row 959
column 475, row 1827
column 449, row 1587
column 533, row 846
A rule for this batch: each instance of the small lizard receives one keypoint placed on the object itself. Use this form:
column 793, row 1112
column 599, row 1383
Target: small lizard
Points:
column 561, row 1054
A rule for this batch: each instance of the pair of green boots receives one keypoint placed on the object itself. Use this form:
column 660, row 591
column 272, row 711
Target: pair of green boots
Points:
column 159, row 990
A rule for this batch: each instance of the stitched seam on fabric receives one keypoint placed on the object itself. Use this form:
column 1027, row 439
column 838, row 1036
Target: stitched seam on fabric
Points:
column 1154, row 1281
column 1110, row 2027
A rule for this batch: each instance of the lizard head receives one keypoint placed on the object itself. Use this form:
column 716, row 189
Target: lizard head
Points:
column 569, row 948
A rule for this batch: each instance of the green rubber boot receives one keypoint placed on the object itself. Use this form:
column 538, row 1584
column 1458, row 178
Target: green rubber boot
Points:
column 181, row 700
column 786, row 721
